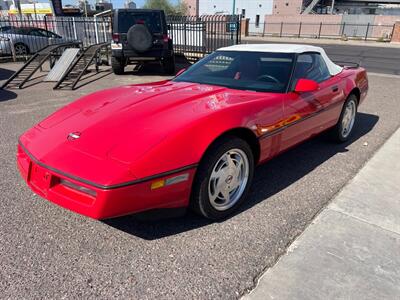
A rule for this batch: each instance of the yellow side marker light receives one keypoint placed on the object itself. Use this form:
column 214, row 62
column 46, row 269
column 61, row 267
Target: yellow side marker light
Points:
column 157, row 184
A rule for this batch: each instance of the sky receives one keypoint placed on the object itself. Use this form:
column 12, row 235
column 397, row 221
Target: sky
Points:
column 116, row 3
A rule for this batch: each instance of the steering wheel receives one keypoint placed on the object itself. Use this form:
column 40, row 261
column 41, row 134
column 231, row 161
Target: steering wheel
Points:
column 268, row 78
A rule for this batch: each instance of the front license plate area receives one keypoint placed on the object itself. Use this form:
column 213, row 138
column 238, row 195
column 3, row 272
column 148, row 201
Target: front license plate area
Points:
column 40, row 178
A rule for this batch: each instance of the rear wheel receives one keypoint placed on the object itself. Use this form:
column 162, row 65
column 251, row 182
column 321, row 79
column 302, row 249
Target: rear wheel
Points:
column 223, row 178
column 117, row 65
column 168, row 65
column 344, row 127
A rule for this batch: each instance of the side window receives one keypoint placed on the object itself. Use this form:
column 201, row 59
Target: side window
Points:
column 50, row 34
column 311, row 66
column 37, row 32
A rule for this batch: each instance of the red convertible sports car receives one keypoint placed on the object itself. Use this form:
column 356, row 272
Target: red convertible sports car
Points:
column 192, row 141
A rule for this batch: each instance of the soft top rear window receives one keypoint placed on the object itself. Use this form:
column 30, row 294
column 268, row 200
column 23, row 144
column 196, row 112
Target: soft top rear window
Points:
column 127, row 19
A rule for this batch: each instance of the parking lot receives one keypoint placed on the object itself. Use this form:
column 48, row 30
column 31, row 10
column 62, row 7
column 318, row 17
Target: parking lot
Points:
column 49, row 252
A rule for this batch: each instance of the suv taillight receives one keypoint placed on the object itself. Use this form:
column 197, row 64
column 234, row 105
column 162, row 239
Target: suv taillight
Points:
column 165, row 38
column 115, row 37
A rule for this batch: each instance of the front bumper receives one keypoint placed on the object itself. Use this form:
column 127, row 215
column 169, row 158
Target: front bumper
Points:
column 98, row 203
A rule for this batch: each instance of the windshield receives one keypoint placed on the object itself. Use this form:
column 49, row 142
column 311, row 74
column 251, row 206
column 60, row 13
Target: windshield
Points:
column 152, row 20
column 257, row 71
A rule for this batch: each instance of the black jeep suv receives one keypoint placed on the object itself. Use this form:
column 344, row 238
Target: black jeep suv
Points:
column 141, row 35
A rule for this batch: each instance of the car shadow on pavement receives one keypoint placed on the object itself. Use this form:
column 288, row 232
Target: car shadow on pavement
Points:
column 270, row 178
column 6, row 95
column 155, row 68
column 5, row 73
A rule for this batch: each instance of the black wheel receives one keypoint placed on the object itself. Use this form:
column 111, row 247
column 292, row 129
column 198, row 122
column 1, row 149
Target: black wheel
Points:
column 344, row 127
column 168, row 65
column 117, row 65
column 223, row 178
column 21, row 49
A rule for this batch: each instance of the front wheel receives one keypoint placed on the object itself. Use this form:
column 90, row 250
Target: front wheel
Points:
column 344, row 127
column 223, row 178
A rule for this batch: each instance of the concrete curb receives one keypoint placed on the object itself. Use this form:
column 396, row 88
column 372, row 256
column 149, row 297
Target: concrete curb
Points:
column 351, row 248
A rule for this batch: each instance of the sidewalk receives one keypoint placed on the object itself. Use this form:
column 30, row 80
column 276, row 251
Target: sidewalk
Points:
column 352, row 249
column 322, row 41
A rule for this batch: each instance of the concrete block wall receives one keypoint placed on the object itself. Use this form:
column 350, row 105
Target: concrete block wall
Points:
column 310, row 24
column 396, row 33
column 380, row 26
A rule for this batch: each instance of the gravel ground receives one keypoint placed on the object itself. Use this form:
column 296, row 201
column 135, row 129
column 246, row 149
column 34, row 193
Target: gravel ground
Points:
column 49, row 252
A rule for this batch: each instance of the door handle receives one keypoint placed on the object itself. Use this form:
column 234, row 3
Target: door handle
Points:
column 335, row 88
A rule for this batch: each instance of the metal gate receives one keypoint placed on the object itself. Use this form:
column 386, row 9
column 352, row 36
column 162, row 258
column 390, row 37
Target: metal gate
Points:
column 204, row 34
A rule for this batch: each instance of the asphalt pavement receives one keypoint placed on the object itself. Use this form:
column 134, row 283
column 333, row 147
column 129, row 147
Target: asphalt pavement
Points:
column 384, row 59
column 49, row 252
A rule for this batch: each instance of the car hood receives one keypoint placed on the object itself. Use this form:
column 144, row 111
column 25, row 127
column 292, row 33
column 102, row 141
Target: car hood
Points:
column 121, row 124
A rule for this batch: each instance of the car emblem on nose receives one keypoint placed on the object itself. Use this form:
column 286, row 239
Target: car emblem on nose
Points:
column 73, row 136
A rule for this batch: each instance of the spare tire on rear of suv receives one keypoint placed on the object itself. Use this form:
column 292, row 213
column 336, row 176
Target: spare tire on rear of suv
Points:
column 139, row 38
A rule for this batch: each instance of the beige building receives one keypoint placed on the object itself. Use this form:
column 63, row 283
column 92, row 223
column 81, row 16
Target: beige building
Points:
column 193, row 7
column 287, row 7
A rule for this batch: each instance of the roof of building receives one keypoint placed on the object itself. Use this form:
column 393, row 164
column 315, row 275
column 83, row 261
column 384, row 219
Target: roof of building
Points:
column 286, row 48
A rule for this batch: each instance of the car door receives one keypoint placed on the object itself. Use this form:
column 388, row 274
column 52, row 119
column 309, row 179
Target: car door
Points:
column 308, row 113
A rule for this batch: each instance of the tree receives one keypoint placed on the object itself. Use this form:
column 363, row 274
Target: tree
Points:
column 181, row 9
column 167, row 6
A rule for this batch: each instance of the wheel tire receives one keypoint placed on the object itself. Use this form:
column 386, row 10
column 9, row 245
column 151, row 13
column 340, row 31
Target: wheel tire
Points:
column 338, row 133
column 117, row 66
column 168, row 65
column 21, row 49
column 139, row 38
column 200, row 200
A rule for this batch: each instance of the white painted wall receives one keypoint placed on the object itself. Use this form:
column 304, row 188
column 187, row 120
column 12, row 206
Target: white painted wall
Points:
column 252, row 7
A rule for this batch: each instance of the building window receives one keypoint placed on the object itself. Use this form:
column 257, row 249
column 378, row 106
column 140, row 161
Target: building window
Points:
column 215, row 6
column 287, row 4
column 243, row 13
column 257, row 21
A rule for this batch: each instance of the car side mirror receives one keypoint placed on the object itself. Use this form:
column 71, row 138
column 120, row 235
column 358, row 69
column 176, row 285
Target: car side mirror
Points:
column 306, row 85
column 180, row 72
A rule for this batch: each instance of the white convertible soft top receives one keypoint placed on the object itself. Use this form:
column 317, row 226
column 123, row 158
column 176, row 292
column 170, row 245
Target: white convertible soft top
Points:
column 286, row 48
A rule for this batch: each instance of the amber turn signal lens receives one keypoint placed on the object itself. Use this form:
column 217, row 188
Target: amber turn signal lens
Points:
column 157, row 184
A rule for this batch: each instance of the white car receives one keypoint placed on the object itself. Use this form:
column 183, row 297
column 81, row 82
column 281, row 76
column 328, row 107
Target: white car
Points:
column 25, row 40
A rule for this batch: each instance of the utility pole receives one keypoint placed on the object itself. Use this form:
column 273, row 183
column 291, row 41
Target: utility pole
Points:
column 233, row 7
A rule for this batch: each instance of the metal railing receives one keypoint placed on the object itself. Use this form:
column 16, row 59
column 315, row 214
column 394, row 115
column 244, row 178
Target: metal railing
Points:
column 22, row 36
column 323, row 30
